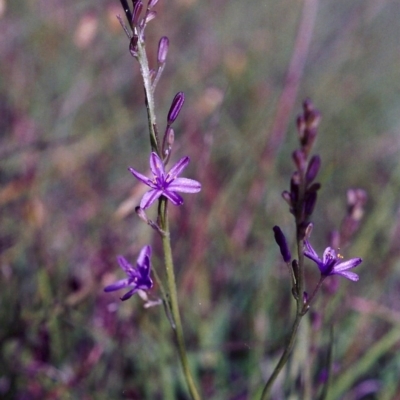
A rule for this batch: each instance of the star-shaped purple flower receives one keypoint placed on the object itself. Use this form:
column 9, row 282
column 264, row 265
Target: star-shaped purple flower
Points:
column 331, row 263
column 137, row 278
column 166, row 184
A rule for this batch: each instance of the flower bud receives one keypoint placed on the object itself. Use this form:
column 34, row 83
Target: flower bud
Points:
column 281, row 242
column 163, row 46
column 137, row 10
column 299, row 160
column 149, row 17
column 152, row 3
column 313, row 168
column 175, row 108
column 309, row 202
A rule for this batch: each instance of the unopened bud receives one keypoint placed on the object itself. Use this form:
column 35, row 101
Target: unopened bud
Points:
column 152, row 3
column 150, row 16
column 137, row 10
column 163, row 46
column 299, row 159
column 176, row 106
column 309, row 202
column 281, row 242
column 313, row 168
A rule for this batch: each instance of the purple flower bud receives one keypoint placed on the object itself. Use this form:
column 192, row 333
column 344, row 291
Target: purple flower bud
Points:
column 309, row 202
column 175, row 108
column 150, row 16
column 137, row 10
column 286, row 196
column 313, row 168
column 299, row 159
column 295, row 187
column 281, row 242
column 152, row 3
column 163, row 46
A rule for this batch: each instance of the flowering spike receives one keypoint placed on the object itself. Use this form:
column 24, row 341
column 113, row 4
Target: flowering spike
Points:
column 176, row 107
column 163, row 46
column 281, row 242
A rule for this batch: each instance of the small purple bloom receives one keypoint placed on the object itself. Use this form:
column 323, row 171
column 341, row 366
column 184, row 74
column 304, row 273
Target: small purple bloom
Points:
column 138, row 278
column 331, row 263
column 166, row 184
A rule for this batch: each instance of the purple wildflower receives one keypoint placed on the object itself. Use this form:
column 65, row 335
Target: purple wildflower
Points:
column 331, row 264
column 166, row 184
column 138, row 278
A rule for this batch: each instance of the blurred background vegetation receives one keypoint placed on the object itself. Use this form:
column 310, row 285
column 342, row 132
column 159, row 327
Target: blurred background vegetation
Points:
column 72, row 120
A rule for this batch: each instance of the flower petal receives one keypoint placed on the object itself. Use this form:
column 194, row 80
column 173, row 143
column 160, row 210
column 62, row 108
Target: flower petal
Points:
column 123, row 263
column 144, row 268
column 144, row 253
column 175, row 198
column 149, row 198
column 157, row 166
column 347, row 274
column 185, row 185
column 310, row 252
column 349, row 264
column 117, row 285
column 129, row 294
column 141, row 177
column 177, row 169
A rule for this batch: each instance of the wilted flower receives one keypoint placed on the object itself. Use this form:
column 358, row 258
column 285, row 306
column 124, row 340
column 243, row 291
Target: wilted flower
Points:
column 331, row 263
column 166, row 184
column 137, row 278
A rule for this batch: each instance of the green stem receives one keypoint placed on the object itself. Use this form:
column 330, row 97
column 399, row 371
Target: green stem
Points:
column 283, row 359
column 174, row 302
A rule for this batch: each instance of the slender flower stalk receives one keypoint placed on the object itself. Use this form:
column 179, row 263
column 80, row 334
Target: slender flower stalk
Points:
column 174, row 300
column 163, row 186
column 300, row 189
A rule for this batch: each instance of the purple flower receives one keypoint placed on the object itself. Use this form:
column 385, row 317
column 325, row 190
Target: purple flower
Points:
column 137, row 278
column 331, row 263
column 164, row 184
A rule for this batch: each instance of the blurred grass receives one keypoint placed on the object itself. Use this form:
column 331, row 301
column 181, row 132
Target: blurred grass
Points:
column 73, row 120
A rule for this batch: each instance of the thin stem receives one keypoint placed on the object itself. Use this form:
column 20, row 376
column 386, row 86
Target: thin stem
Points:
column 283, row 359
column 174, row 302
column 148, row 92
